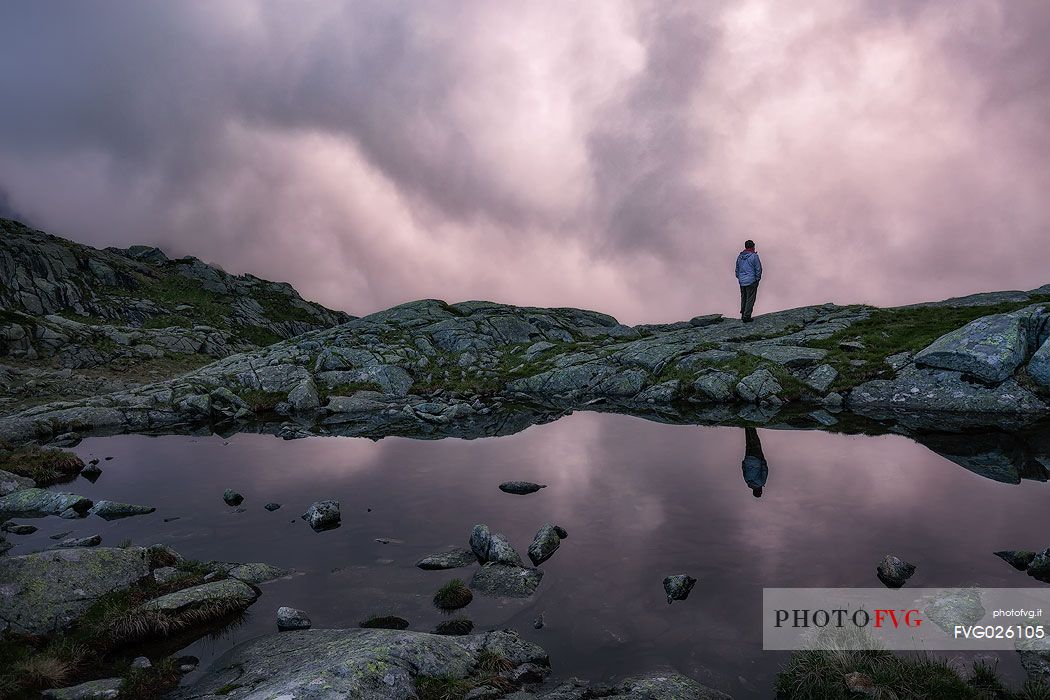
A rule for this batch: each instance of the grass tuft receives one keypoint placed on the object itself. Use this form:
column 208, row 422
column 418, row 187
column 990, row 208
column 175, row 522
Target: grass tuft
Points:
column 44, row 465
column 453, row 595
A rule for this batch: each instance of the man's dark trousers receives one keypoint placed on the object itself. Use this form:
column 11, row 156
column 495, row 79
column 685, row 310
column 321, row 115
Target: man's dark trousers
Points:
column 747, row 300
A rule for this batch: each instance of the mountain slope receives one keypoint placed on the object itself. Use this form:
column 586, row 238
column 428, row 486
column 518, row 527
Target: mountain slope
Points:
column 123, row 316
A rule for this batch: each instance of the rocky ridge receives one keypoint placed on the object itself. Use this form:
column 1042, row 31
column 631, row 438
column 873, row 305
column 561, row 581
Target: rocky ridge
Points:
column 66, row 306
column 429, row 363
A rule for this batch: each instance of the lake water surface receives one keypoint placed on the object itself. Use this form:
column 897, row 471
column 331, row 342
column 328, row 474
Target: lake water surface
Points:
column 640, row 501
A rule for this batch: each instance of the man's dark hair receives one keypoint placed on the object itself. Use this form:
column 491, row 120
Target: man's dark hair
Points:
column 749, row 243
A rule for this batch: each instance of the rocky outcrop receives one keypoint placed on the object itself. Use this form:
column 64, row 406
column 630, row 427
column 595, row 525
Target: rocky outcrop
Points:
column 72, row 307
column 421, row 366
column 44, row 592
column 381, row 664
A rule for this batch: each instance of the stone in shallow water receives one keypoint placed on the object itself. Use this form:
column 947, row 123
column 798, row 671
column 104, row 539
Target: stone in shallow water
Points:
column 19, row 529
column 894, row 571
column 452, row 559
column 544, row 544
column 677, row 587
column 951, row 608
column 323, row 515
column 1017, row 558
column 480, row 537
column 507, row 581
column 520, row 488
column 91, row 472
column 1039, row 567
column 39, row 502
column 112, row 510
column 231, row 591
column 257, row 572
column 232, row 498
column 501, row 551
column 292, row 619
column 272, row 506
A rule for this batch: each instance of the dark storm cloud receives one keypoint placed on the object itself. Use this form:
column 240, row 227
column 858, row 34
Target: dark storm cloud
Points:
column 610, row 155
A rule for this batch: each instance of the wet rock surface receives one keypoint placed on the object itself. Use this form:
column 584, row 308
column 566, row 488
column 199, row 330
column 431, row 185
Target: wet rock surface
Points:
column 678, row 586
column 323, row 515
column 453, row 559
column 894, row 572
column 46, row 591
column 292, row 619
column 520, row 488
column 506, row 581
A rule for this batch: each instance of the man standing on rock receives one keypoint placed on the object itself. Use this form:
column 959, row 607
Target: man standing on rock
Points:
column 755, row 468
column 748, row 274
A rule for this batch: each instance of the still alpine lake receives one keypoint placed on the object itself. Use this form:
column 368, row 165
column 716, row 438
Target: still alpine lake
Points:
column 640, row 500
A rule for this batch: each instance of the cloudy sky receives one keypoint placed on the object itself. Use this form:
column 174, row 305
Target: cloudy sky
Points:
column 609, row 155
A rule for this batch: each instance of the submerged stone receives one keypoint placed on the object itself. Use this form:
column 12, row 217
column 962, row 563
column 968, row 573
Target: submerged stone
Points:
column 292, row 619
column 322, row 515
column 506, row 581
column 520, row 488
column 452, row 559
column 112, row 510
column 544, row 544
column 894, row 572
column 1017, row 558
column 39, row 502
column 677, row 587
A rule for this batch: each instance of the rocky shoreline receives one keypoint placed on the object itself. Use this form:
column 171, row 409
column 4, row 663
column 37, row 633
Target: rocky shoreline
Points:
column 434, row 363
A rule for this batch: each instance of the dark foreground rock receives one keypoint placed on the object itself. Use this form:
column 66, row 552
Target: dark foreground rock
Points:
column 894, row 572
column 373, row 664
column 44, row 592
column 1017, row 558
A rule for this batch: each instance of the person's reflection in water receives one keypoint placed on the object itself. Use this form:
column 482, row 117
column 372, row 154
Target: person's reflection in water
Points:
column 754, row 465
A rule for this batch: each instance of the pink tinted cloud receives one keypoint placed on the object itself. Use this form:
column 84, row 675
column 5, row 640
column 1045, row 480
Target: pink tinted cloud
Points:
column 603, row 155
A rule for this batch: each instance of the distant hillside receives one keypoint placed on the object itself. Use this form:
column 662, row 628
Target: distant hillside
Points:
column 130, row 314
column 141, row 287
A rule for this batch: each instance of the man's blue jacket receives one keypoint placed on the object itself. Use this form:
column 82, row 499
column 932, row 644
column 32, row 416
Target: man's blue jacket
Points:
column 748, row 268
